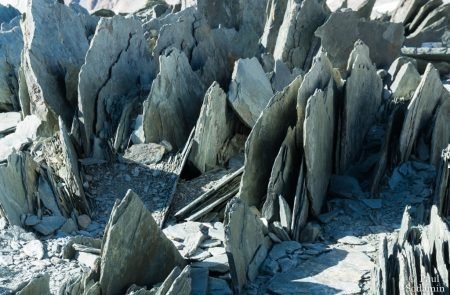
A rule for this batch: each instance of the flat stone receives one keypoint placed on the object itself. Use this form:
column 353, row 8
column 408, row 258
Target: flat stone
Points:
column 199, row 278
column 165, row 286
column 34, row 249
column 145, row 153
column 8, row 122
column 128, row 257
column 283, row 249
column 249, row 90
column 352, row 240
column 182, row 284
column 69, row 227
column 32, row 220
column 87, row 259
column 49, row 224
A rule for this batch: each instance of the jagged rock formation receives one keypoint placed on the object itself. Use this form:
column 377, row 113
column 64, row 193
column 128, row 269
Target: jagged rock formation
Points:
column 175, row 99
column 111, row 84
column 51, row 72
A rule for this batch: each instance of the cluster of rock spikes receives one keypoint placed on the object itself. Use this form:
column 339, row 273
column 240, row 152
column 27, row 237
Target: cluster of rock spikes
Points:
column 220, row 147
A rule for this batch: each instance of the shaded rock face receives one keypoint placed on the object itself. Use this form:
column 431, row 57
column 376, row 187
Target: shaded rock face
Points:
column 174, row 100
column 250, row 90
column 134, row 249
column 11, row 43
column 113, row 78
column 14, row 195
column 362, row 99
column 243, row 237
column 343, row 29
column 264, row 142
column 296, row 43
column 214, row 127
column 426, row 98
column 275, row 11
column 7, row 13
column 51, row 72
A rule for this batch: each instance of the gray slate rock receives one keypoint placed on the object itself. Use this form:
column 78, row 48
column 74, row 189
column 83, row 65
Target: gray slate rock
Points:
column 264, row 141
column 145, row 153
column 362, row 99
column 441, row 131
column 8, row 122
column 199, row 278
column 344, row 28
column 134, row 249
column 39, row 284
column 406, row 81
column 243, row 237
column 117, row 68
column 165, row 286
column 174, row 100
column 296, row 42
column 51, row 62
column 275, row 12
column 182, row 284
column 218, row 287
column 420, row 110
column 250, row 90
column 7, row 13
column 11, row 43
column 49, row 225
column 214, row 127
column 14, row 182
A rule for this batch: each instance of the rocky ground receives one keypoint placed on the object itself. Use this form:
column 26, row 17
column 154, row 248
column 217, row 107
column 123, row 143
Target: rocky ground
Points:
column 225, row 147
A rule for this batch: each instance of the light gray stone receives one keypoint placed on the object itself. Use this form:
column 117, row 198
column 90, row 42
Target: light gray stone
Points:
column 249, row 90
column 145, row 153
column 182, row 284
column 51, row 62
column 264, row 141
column 296, row 41
column 8, row 122
column 214, row 127
column 47, row 196
column 406, row 81
column 134, row 249
column 243, row 237
column 26, row 131
column 441, row 131
column 420, row 110
column 217, row 263
column 34, row 249
column 174, row 100
column 116, row 70
column 362, row 99
column 165, row 286
column 398, row 64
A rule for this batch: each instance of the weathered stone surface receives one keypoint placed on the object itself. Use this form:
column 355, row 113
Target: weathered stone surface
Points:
column 218, row 286
column 420, row 110
column 11, row 43
column 398, row 64
column 282, row 76
column 116, row 71
column 296, row 41
column 275, row 12
column 49, row 224
column 441, row 130
column 318, row 142
column 39, row 284
column 214, row 127
column 243, row 237
column 174, row 100
column 26, row 131
column 199, row 278
column 51, row 72
column 13, row 195
column 7, row 13
column 264, row 143
column 343, row 29
column 145, row 153
column 71, row 175
column 250, row 90
column 406, row 10
column 182, row 284
column 134, row 249
column 406, row 81
column 165, row 286
column 283, row 178
column 362, row 99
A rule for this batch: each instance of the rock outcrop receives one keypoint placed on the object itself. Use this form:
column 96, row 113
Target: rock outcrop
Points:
column 174, row 100
column 113, row 79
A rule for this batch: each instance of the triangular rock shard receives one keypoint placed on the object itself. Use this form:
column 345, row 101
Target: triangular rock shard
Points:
column 135, row 250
